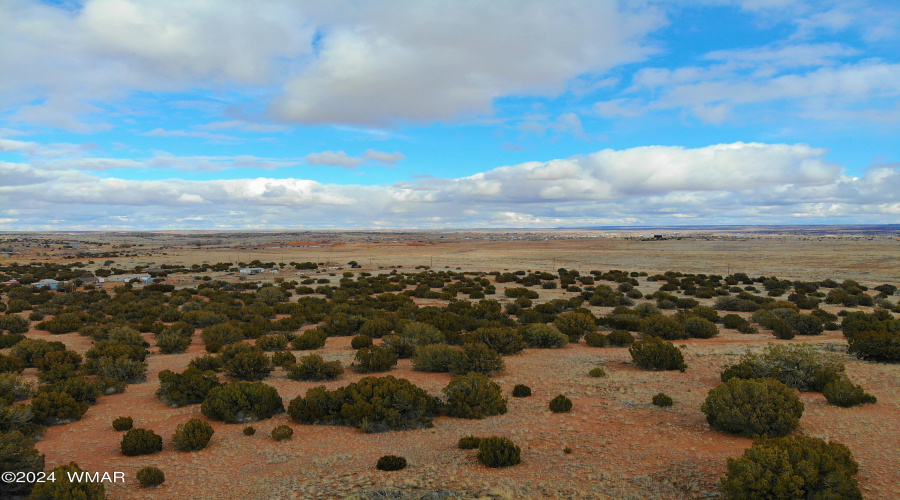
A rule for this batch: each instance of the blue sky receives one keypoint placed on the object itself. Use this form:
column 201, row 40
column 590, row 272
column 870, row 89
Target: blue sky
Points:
column 190, row 114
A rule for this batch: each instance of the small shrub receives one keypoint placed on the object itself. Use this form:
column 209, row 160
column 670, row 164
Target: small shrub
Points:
column 521, row 391
column 150, row 477
column 437, row 358
column 699, row 328
column 662, row 400
column 193, row 435
column 282, row 433
column 620, row 338
column 241, row 402
column 654, row 354
column 567, row 450
column 664, row 327
column 141, row 442
column 468, row 442
column 391, row 463
column 123, row 424
column 477, row 358
column 504, row 340
column 55, row 408
column 798, row 366
column 172, row 342
column 273, row 342
column 560, row 404
column 793, row 467
column 13, row 388
column 249, row 430
column 360, row 341
column 575, row 324
column 63, row 488
column 544, row 336
column 497, row 452
column 372, row 404
column 187, row 388
column 313, row 368
column 283, row 359
column 474, row 396
column 596, row 339
column 844, row 393
column 754, row 407
column 597, row 372
column 880, row 346
column 374, row 359
column 207, row 362
column 250, row 364
column 310, row 339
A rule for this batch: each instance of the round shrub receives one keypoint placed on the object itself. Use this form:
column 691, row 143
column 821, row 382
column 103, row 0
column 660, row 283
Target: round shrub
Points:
column 496, row 452
column 18, row 454
column 437, row 358
column 560, row 404
column 477, row 358
column 664, row 327
column 654, row 354
column 793, row 467
column 13, row 388
column 11, row 364
column 620, row 338
column 273, row 342
column 313, row 368
column 797, row 366
column 844, row 393
column 474, row 396
column 55, row 408
column 207, row 362
column 699, row 328
column 242, row 402
column 249, row 430
column 468, row 442
column 391, row 463
column 597, row 339
column 575, row 324
column 880, row 346
column 662, row 400
column 805, row 324
column 172, row 342
column 250, row 364
column 544, row 336
column 123, row 424
column 310, row 339
column 521, row 391
column 504, row 340
column 150, row 477
column 141, row 442
column 754, row 407
column 360, row 341
column 374, row 359
column 282, row 433
column 193, row 435
column 283, row 359
column 62, row 487
column 187, row 388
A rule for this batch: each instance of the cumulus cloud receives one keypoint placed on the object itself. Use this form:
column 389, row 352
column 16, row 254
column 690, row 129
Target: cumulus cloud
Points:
column 745, row 182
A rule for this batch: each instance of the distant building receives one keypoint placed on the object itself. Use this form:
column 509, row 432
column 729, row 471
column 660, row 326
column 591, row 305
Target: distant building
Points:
column 657, row 236
column 251, row 270
column 126, row 278
column 91, row 280
column 10, row 282
column 48, row 283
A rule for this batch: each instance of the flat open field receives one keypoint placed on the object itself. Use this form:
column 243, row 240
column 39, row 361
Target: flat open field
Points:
column 621, row 445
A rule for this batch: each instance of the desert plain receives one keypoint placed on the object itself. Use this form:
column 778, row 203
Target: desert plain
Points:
column 620, row 445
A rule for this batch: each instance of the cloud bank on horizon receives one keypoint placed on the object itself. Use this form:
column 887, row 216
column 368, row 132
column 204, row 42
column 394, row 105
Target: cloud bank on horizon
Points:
column 122, row 114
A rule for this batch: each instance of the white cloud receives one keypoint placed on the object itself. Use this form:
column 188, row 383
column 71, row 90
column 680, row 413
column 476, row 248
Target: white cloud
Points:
column 333, row 158
column 425, row 62
column 382, row 157
column 209, row 136
column 735, row 183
